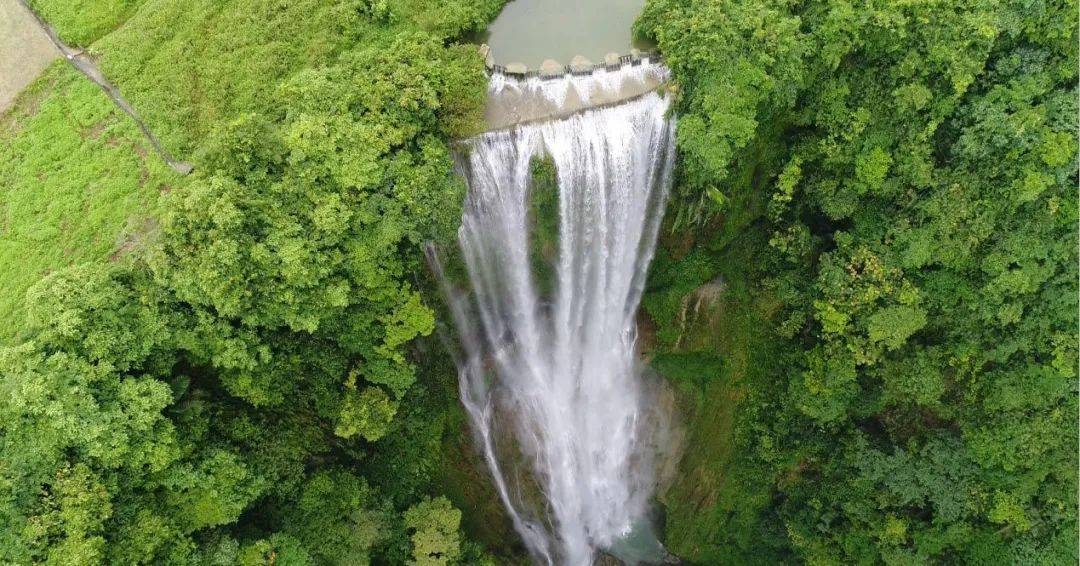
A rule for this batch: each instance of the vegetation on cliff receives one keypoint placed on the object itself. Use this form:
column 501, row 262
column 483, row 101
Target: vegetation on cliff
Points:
column 898, row 185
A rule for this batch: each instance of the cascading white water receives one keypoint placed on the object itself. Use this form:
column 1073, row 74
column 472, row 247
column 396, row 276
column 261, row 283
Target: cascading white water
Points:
column 567, row 422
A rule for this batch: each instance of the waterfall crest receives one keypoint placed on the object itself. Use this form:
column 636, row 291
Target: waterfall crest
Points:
column 568, row 423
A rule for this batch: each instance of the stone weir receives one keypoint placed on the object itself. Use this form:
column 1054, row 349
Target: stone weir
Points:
column 519, row 95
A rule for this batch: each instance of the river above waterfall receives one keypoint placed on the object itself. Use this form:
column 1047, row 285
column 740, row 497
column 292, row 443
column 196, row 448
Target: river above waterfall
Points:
column 530, row 31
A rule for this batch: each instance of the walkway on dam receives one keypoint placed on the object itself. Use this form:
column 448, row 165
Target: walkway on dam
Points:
column 518, row 95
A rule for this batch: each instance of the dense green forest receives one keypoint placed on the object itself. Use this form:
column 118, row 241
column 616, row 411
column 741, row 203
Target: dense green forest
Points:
column 233, row 382
column 889, row 191
column 865, row 291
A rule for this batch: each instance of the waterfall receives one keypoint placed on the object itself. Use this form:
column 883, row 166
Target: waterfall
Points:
column 569, row 424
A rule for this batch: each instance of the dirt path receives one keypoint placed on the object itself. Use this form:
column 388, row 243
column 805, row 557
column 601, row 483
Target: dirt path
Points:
column 80, row 60
column 25, row 50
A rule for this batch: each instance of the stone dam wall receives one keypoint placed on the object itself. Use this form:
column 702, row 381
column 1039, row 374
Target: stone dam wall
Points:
column 519, row 95
column 578, row 66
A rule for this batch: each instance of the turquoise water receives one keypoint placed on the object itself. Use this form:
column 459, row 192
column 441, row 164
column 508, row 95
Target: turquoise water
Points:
column 640, row 546
column 529, row 31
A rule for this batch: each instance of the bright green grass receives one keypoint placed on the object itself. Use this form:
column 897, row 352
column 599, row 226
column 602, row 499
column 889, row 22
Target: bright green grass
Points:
column 81, row 22
column 188, row 65
column 76, row 180
column 77, row 183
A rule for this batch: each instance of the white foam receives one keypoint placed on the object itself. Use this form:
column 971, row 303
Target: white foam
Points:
column 560, row 374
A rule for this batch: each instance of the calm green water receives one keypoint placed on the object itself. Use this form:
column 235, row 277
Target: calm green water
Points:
column 529, row 31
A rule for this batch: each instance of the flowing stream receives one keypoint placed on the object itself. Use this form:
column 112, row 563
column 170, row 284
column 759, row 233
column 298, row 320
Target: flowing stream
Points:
column 570, row 425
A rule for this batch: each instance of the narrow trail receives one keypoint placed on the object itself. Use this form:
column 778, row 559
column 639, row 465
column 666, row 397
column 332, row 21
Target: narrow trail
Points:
column 81, row 61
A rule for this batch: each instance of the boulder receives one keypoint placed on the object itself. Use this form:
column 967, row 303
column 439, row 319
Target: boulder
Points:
column 580, row 64
column 605, row 559
column 486, row 55
column 516, row 69
column 611, row 59
column 182, row 167
column 551, row 68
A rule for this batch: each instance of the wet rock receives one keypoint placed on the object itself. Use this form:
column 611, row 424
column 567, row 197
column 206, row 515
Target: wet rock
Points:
column 605, row 559
column 486, row 55
column 580, row 64
column 182, row 167
column 551, row 68
column 516, row 68
column 611, row 59
column 701, row 306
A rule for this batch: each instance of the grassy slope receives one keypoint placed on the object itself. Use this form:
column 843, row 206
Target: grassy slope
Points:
column 466, row 481
column 77, row 184
column 82, row 22
column 186, row 65
column 76, row 178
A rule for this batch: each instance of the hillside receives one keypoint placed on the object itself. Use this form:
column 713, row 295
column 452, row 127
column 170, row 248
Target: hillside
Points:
column 863, row 298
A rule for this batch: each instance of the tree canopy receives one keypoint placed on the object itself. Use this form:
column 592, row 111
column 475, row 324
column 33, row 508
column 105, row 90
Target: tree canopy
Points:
column 920, row 207
column 213, row 399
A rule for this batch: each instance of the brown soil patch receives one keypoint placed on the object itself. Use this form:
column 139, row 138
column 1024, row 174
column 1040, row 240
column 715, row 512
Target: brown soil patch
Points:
column 25, row 51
